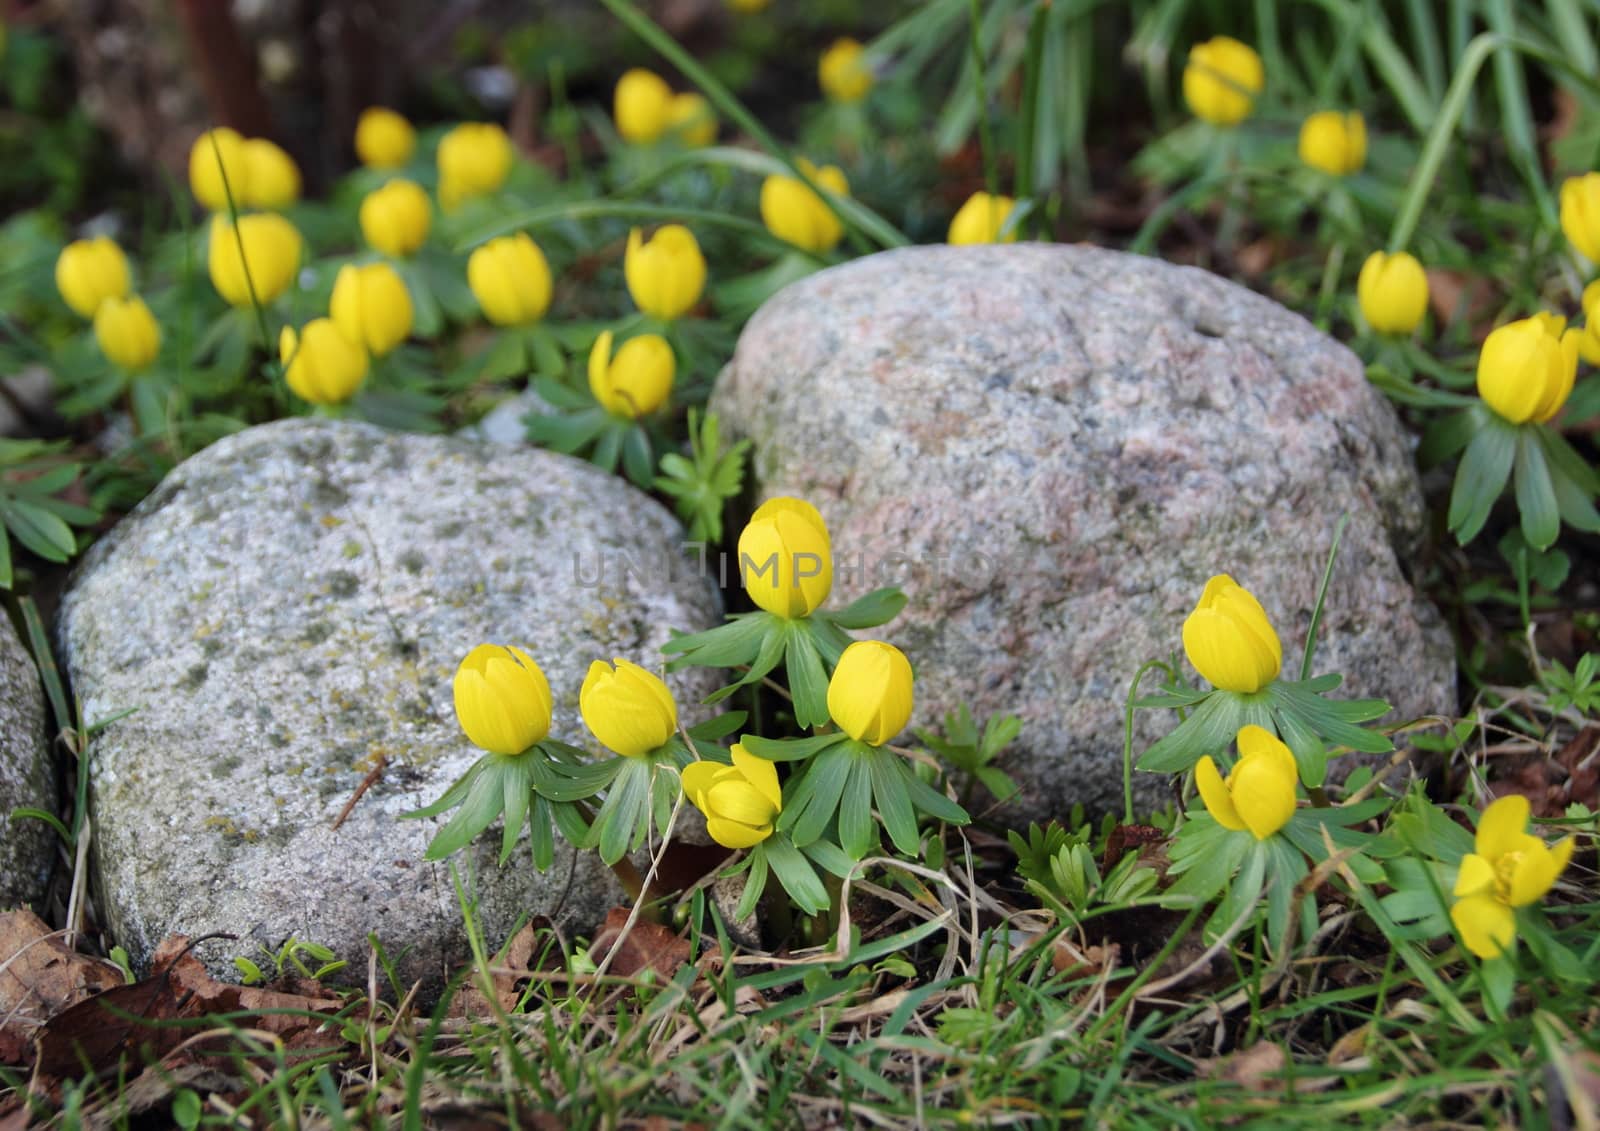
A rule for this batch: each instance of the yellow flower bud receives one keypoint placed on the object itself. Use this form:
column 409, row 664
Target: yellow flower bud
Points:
column 1229, row 640
column 786, row 558
column 1259, row 794
column 843, row 71
column 502, row 699
column 793, row 212
column 1580, row 214
column 628, row 708
column 1589, row 339
column 1392, row 291
column 637, row 380
column 1508, row 868
column 321, row 365
column 384, row 139
column 1334, row 142
column 271, row 252
column 271, row 178
column 127, row 333
column 642, row 106
column 90, row 271
column 1526, row 368
column 395, row 218
column 870, row 694
column 980, row 219
column 511, row 280
column 207, row 164
column 371, row 307
column 666, row 273
column 474, row 160
column 1221, row 80
column 740, row 801
column 690, row 117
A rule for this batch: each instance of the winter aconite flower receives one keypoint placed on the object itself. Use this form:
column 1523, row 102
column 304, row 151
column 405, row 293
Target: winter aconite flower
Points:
column 1526, row 368
column 384, row 139
column 665, row 273
column 740, row 801
column 1509, row 868
column 1392, row 291
column 628, row 708
column 1229, row 640
column 636, row 380
column 271, row 178
column 786, row 558
column 793, row 212
column 502, row 699
column 1334, row 141
column 843, row 72
column 218, row 156
column 1221, row 80
column 395, row 218
column 271, row 253
column 870, row 694
column 127, row 333
column 642, row 106
column 511, row 280
column 371, row 306
column 1580, row 214
column 320, row 364
column 981, row 219
column 690, row 117
column 90, row 271
column 1259, row 794
column 474, row 160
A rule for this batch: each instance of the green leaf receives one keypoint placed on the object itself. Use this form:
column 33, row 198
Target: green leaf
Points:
column 518, row 787
column 621, row 823
column 1213, row 725
column 541, row 841
column 564, row 781
column 796, row 875
column 508, row 357
column 636, row 459
column 829, row 857
column 1481, row 477
column 925, row 798
column 454, row 795
column 719, row 727
column 857, row 835
column 1447, row 436
column 1536, row 496
column 726, row 646
column 814, row 799
column 878, row 607
column 483, row 803
column 894, row 806
column 807, row 679
column 755, row 882
column 789, row 749
column 38, row 529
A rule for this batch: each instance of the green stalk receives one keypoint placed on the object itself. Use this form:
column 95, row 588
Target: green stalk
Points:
column 244, row 263
column 991, row 175
column 590, row 209
column 1028, row 124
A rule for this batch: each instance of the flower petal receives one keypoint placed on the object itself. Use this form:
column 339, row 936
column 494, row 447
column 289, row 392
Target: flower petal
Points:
column 1476, row 876
column 1214, row 792
column 760, row 773
column 1501, row 826
column 731, row 834
column 1487, row 926
column 1536, row 871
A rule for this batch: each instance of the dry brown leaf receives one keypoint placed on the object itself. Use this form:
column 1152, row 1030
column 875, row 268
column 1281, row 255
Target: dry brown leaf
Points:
column 508, row 972
column 1253, row 1068
column 39, row 977
column 648, row 946
column 1457, row 295
column 1067, row 958
column 1351, row 1046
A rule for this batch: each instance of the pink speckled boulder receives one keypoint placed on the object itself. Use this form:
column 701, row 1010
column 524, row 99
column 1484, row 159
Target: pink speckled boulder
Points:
column 1051, row 448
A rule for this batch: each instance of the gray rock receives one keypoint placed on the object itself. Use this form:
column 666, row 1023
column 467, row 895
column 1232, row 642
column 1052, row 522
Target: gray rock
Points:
column 506, row 423
column 290, row 605
column 1051, row 448
column 27, row 779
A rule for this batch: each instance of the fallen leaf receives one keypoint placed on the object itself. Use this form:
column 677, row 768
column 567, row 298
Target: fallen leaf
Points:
column 40, row 975
column 1127, row 838
column 648, row 946
column 1067, row 958
column 510, row 969
column 1252, row 1068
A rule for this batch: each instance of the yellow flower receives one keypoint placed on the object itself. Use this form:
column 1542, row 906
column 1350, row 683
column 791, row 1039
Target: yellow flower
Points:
column 271, row 252
column 642, row 106
column 637, row 380
column 786, row 558
column 127, row 333
column 511, row 280
column 870, row 693
column 793, row 212
column 1392, row 291
column 207, row 164
column 90, row 271
column 371, row 307
column 666, row 273
column 980, row 219
column 1580, row 214
column 1259, row 794
column 1334, row 142
column 690, row 117
column 321, row 365
column 1221, row 80
column 502, row 699
column 384, row 139
column 474, row 160
column 271, row 178
column 740, row 801
column 395, row 218
column 628, row 708
column 843, row 71
column 1509, row 868
column 1229, row 640
column 1589, row 340
column 1526, row 368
